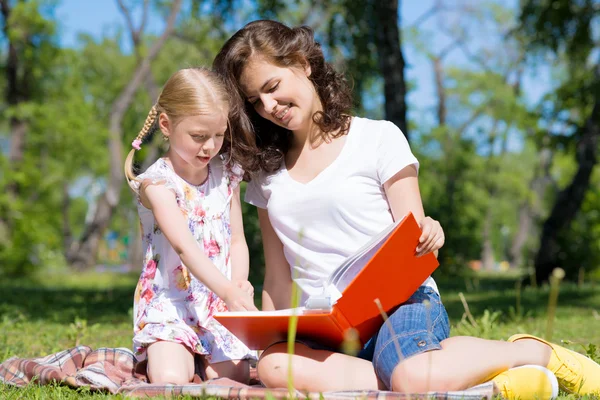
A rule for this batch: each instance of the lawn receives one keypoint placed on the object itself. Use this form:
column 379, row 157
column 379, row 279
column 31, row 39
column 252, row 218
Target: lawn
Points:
column 43, row 316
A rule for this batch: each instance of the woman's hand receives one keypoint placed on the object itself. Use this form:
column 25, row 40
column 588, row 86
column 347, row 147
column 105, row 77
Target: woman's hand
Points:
column 432, row 236
column 238, row 299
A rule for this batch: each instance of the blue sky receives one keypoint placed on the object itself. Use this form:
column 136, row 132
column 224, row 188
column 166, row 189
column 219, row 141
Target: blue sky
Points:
column 102, row 17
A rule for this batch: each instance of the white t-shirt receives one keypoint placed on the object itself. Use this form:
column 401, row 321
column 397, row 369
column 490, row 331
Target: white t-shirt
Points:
column 326, row 220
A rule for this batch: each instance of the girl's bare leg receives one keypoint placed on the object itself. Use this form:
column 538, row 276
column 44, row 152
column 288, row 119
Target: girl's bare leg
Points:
column 170, row 362
column 238, row 370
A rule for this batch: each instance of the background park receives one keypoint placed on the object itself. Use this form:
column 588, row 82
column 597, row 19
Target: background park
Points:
column 500, row 101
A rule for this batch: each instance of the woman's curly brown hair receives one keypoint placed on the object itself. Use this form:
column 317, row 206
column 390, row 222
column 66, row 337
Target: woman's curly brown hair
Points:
column 284, row 47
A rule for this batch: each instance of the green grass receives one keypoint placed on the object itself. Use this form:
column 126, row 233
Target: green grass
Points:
column 43, row 316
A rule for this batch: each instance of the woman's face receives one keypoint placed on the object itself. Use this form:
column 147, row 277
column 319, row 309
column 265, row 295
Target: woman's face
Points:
column 284, row 96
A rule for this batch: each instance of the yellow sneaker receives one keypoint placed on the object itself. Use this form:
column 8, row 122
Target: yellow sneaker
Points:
column 529, row 382
column 575, row 372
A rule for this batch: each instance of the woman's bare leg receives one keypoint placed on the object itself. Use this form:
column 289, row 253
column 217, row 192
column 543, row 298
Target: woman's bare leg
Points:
column 316, row 370
column 463, row 362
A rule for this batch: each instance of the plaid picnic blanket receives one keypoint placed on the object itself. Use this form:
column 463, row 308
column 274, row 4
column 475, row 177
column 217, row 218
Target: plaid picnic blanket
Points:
column 114, row 370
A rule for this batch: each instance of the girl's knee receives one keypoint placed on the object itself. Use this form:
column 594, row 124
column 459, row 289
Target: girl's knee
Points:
column 171, row 376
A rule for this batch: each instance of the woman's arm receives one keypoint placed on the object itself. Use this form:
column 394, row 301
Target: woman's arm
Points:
column 277, row 288
column 240, row 262
column 173, row 225
column 402, row 191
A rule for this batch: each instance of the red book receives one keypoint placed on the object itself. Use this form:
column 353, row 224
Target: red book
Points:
column 386, row 268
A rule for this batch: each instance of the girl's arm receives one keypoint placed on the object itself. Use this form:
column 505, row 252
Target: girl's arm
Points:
column 402, row 191
column 277, row 288
column 240, row 262
column 173, row 225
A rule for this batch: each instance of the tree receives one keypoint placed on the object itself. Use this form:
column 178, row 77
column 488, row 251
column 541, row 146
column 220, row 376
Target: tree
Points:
column 565, row 27
column 83, row 251
column 30, row 49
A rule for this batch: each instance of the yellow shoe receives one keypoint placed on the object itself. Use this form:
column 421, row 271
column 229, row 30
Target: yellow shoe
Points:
column 575, row 372
column 529, row 382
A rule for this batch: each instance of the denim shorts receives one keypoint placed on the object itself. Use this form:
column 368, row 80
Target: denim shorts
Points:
column 416, row 326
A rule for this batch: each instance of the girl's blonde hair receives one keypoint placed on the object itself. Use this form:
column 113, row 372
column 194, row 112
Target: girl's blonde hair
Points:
column 188, row 92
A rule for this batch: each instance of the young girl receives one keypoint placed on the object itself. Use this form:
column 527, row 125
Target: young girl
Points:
column 328, row 183
column 196, row 257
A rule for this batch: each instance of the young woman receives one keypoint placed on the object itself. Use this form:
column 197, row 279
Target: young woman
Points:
column 330, row 181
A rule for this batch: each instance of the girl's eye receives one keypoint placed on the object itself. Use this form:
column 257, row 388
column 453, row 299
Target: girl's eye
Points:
column 220, row 135
column 274, row 88
column 198, row 138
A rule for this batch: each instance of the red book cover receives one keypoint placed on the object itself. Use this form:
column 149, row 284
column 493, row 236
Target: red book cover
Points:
column 391, row 273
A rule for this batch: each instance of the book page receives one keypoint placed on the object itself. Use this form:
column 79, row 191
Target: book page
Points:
column 284, row 312
column 344, row 274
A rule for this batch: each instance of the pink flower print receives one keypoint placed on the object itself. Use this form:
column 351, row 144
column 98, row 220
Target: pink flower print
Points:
column 212, row 248
column 199, row 212
column 150, row 270
column 147, row 295
column 215, row 305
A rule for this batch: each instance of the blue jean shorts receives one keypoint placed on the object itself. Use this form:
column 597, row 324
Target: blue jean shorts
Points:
column 416, row 326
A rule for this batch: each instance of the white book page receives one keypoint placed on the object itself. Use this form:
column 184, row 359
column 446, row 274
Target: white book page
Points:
column 284, row 312
column 341, row 277
column 344, row 274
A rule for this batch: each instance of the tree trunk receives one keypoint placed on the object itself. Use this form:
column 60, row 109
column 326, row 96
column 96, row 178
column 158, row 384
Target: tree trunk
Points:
column 17, row 91
column 569, row 200
column 440, row 90
column 487, row 252
column 527, row 214
column 391, row 62
column 83, row 252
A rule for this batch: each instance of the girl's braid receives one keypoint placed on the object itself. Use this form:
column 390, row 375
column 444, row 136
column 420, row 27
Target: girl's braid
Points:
column 150, row 120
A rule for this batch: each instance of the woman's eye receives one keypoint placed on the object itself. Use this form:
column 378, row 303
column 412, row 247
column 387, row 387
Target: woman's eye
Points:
column 274, row 88
column 220, row 135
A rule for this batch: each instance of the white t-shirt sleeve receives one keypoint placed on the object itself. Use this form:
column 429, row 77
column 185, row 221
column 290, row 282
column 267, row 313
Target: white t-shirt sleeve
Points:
column 255, row 194
column 393, row 152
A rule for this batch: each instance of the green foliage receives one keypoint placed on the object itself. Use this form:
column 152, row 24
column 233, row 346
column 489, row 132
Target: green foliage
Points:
column 561, row 25
column 482, row 327
column 469, row 170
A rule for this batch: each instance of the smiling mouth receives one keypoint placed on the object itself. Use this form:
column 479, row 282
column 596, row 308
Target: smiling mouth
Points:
column 281, row 114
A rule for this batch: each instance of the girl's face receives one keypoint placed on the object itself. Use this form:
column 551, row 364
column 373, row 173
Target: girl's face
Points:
column 195, row 139
column 284, row 96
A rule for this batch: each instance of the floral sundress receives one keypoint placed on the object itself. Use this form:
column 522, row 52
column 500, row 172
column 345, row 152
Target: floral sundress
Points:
column 170, row 303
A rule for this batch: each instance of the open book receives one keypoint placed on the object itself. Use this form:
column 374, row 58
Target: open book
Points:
column 386, row 268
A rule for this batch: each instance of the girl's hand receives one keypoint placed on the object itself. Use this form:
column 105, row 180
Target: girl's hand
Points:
column 432, row 236
column 238, row 299
column 246, row 286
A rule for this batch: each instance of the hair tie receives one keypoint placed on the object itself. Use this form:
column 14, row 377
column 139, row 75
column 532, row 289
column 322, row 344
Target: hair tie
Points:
column 136, row 144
